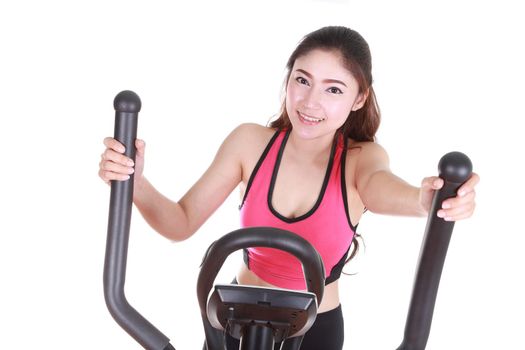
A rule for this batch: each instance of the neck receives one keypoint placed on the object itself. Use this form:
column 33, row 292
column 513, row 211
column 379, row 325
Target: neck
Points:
column 311, row 149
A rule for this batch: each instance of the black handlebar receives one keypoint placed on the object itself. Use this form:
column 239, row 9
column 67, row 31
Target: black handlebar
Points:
column 127, row 106
column 454, row 168
column 267, row 237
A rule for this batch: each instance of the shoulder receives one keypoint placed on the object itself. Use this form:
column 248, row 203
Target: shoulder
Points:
column 252, row 130
column 246, row 143
column 366, row 149
column 364, row 158
column 247, row 139
column 250, row 134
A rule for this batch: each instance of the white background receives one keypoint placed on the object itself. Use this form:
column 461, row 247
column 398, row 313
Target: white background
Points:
column 448, row 76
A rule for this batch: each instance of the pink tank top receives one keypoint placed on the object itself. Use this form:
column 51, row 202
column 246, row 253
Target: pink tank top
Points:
column 326, row 226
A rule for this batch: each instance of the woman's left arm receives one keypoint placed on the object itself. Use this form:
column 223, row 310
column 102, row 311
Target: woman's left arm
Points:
column 383, row 192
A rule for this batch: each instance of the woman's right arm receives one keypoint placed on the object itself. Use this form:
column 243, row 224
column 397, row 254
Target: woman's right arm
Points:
column 179, row 220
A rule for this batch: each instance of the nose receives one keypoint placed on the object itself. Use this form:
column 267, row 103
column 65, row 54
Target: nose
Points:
column 312, row 99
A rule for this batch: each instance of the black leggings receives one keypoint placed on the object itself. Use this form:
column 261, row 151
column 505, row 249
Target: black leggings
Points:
column 327, row 333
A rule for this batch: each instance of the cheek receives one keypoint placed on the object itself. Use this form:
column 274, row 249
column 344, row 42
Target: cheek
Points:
column 292, row 93
column 339, row 109
column 293, row 97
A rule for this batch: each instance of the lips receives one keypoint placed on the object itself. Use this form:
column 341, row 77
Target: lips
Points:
column 308, row 119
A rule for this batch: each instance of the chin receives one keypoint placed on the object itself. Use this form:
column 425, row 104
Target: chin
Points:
column 309, row 133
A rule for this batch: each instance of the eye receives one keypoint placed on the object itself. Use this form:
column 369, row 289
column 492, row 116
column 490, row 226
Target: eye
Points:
column 302, row 81
column 334, row 90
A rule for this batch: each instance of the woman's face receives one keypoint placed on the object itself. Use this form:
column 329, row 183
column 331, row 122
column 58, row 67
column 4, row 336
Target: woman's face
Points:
column 320, row 94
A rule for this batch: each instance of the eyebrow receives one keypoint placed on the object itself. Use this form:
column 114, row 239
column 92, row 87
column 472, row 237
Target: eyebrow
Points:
column 324, row 81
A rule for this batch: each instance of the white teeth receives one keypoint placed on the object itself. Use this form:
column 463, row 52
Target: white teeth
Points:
column 311, row 119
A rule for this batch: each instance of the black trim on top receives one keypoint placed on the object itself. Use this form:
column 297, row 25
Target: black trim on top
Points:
column 343, row 185
column 337, row 269
column 246, row 257
column 258, row 165
column 274, row 178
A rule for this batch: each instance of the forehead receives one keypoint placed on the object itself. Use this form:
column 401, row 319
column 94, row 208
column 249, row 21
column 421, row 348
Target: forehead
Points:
column 324, row 64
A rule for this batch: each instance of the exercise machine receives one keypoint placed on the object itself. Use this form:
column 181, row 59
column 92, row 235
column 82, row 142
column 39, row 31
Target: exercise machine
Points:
column 259, row 316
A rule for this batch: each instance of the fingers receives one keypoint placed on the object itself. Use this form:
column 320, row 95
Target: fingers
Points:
column 114, row 165
column 113, row 144
column 140, row 145
column 432, row 183
column 112, row 171
column 116, row 157
column 458, row 208
column 469, row 185
column 462, row 206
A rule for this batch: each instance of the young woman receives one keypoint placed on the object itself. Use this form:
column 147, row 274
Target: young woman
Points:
column 313, row 171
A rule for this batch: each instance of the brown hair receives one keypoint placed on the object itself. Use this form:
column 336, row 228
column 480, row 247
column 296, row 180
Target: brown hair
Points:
column 362, row 124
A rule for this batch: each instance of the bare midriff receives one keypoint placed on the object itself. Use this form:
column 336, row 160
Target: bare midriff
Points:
column 331, row 291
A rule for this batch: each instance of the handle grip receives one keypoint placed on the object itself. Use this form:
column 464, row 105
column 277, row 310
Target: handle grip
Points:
column 127, row 106
column 454, row 168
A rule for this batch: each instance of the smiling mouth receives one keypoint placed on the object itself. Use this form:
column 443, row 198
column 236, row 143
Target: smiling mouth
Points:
column 309, row 119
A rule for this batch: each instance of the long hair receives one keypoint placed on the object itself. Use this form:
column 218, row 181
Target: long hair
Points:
column 362, row 124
